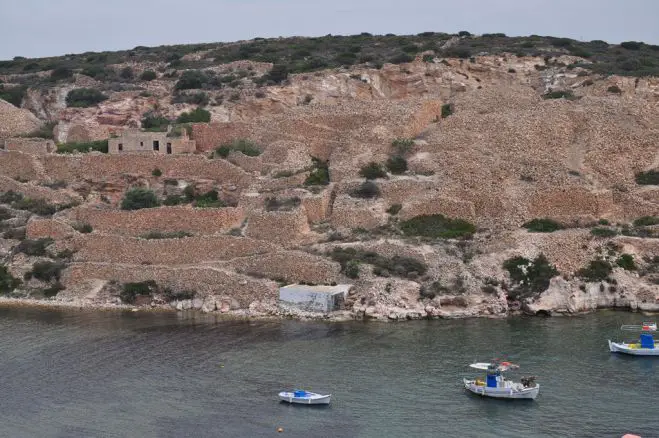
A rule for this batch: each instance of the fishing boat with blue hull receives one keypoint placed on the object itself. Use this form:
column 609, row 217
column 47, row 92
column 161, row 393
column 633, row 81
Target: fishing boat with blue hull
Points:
column 304, row 397
column 497, row 386
column 646, row 345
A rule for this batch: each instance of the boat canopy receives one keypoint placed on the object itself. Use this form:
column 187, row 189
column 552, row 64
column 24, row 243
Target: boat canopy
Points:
column 481, row 365
column 500, row 366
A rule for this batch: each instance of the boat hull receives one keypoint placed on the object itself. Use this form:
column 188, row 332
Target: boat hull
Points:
column 502, row 393
column 311, row 399
column 621, row 347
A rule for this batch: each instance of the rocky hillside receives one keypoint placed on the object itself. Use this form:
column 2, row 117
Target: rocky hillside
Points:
column 442, row 175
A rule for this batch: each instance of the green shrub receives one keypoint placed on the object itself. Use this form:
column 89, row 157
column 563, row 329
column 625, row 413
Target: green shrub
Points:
column 543, row 226
column 352, row 269
column 529, row 277
column 96, row 146
column 614, row 89
column 126, row 73
column 148, row 75
column 372, row 170
column 39, row 207
column 246, row 147
column 286, row 204
column 457, row 52
column 603, row 232
column 47, row 270
column 84, row 97
column 198, row 115
column 209, row 200
column 200, row 98
column 597, row 270
column 435, row 288
column 178, row 295
column 173, row 200
column 7, row 282
column 626, row 262
column 35, row 248
column 151, row 235
column 402, row 146
column 59, row 184
column 437, row 226
column 10, row 197
column 131, row 291
column 394, row 209
column 649, row 178
column 319, row 175
column 366, row 190
column 61, row 73
column 397, row 165
column 53, row 290
column 631, row 45
column 154, row 123
column 45, row 131
column 83, row 228
column 404, row 267
column 5, row 214
column 14, row 234
column 139, row 198
column 447, row 110
column 567, row 94
column 13, row 95
column 278, row 73
column 156, row 172
column 191, row 79
column 646, row 221
column 428, row 58
column 603, row 222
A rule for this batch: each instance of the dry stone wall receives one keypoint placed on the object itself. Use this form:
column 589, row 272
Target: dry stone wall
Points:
column 34, row 146
column 49, row 228
column 291, row 266
column 287, row 228
column 38, row 192
column 173, row 252
column 14, row 164
column 138, row 222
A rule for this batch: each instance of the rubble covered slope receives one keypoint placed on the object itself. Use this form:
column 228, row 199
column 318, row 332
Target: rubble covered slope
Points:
column 439, row 185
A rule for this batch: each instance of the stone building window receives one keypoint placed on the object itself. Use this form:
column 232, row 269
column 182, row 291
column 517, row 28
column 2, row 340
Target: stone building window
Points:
column 169, row 148
column 121, row 146
column 141, row 143
column 156, row 145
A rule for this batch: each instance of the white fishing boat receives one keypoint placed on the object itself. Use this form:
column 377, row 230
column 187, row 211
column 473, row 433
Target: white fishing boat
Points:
column 304, row 397
column 497, row 386
column 646, row 345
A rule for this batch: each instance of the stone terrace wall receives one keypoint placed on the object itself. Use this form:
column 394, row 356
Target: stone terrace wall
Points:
column 287, row 228
column 319, row 207
column 291, row 266
column 357, row 213
column 450, row 207
column 138, row 222
column 35, row 146
column 38, row 192
column 99, row 167
column 429, row 112
column 15, row 164
column 210, row 136
column 48, row 228
column 204, row 280
column 569, row 201
column 185, row 251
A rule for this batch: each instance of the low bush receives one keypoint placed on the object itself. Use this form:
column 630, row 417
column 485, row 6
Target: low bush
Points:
column 603, row 232
column 397, row 165
column 83, row 228
column 178, row 295
column 597, row 270
column 131, row 291
column 39, row 207
column 53, row 290
column 198, row 115
column 200, row 98
column 372, row 170
column 529, row 277
column 70, row 148
column 447, row 110
column 10, row 197
column 47, row 270
column 278, row 73
column 567, row 94
column 402, row 146
column 156, row 172
column 13, row 95
column 148, row 75
column 5, row 214
column 404, row 267
column 138, row 198
column 192, row 79
column 366, row 190
column 351, row 269
column 15, row 234
column 246, row 147
column 7, row 282
column 45, row 131
column 626, row 262
column 431, row 291
column 155, row 123
column 59, row 184
column 84, row 97
column 61, row 73
column 394, row 209
column 646, row 221
column 285, row 204
column 36, row 248
column 649, row 178
column 152, row 235
column 174, row 200
column 319, row 175
column 614, row 89
column 543, row 226
column 126, row 73
column 209, row 200
column 437, row 226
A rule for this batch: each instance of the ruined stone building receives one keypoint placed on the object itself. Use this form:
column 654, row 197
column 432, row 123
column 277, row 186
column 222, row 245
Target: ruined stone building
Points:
column 35, row 146
column 135, row 141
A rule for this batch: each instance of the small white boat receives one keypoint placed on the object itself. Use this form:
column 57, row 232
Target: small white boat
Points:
column 646, row 345
column 497, row 386
column 304, row 397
